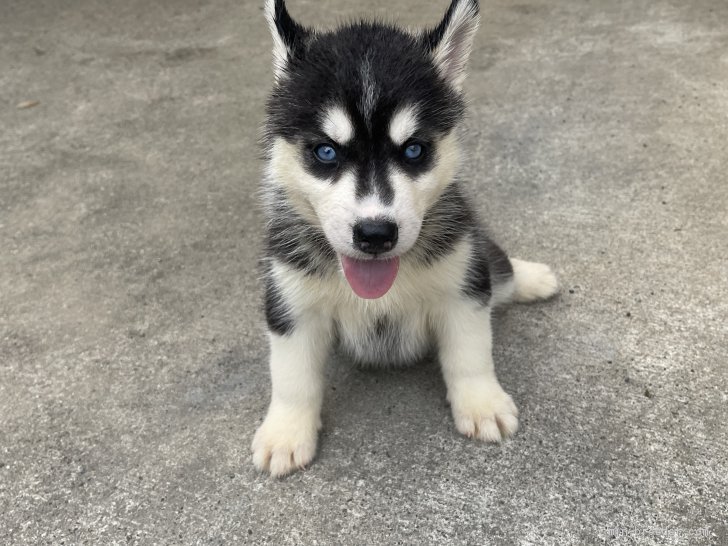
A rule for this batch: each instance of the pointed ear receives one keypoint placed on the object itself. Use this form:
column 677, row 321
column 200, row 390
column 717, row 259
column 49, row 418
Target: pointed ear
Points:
column 450, row 42
column 288, row 36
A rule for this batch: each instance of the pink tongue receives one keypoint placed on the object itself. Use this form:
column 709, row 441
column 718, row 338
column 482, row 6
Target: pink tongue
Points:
column 370, row 279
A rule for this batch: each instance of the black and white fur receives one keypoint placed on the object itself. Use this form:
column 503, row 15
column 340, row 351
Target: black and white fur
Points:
column 368, row 89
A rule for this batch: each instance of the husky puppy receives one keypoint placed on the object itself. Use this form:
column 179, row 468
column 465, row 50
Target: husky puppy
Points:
column 371, row 245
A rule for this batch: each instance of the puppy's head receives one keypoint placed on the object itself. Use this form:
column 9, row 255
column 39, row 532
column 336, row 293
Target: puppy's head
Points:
column 360, row 131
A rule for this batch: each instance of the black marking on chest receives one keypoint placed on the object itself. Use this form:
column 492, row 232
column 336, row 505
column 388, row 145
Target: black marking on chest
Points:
column 382, row 325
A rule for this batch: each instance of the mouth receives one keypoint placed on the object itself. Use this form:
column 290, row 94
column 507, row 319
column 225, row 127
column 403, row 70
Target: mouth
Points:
column 370, row 279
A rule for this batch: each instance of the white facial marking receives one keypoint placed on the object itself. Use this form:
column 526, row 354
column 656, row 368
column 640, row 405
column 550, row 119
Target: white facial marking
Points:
column 335, row 208
column 371, row 207
column 403, row 125
column 337, row 125
column 417, row 195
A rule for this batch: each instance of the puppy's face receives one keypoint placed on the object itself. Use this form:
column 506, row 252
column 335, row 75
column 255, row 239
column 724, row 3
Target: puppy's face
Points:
column 361, row 125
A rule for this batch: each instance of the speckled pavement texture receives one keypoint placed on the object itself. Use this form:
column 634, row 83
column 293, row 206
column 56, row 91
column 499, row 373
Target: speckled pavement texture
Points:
column 133, row 366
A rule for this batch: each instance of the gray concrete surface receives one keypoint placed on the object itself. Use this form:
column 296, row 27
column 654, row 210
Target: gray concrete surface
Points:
column 132, row 358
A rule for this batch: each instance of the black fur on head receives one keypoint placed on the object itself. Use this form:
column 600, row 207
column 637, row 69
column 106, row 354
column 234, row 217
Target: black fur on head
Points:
column 370, row 67
column 371, row 70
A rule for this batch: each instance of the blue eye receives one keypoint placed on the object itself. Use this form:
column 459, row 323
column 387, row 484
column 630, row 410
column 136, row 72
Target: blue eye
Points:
column 325, row 153
column 413, row 151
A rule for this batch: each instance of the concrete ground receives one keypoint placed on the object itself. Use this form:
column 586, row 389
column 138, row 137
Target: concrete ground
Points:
column 133, row 365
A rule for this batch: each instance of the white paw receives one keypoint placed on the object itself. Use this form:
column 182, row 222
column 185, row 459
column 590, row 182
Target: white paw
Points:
column 533, row 281
column 286, row 441
column 483, row 410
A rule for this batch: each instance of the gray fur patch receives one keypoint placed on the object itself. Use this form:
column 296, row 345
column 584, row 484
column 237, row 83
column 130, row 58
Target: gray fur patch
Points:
column 370, row 92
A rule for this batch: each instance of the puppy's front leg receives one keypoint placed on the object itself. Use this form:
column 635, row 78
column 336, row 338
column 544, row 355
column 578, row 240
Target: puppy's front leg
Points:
column 480, row 406
column 287, row 438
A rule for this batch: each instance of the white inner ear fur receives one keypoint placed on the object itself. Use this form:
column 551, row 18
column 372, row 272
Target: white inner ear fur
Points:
column 452, row 52
column 337, row 125
column 403, row 125
column 280, row 51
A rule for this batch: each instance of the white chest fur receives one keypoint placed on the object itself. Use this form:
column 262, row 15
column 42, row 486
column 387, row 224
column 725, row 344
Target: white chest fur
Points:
column 396, row 328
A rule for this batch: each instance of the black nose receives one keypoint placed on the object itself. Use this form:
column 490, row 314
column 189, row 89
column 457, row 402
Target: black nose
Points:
column 375, row 236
